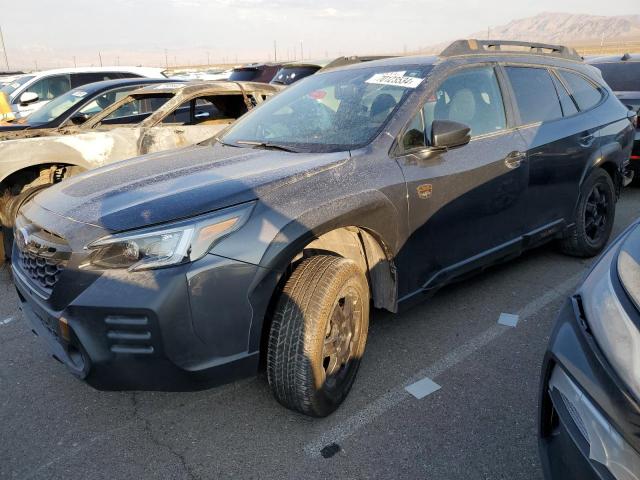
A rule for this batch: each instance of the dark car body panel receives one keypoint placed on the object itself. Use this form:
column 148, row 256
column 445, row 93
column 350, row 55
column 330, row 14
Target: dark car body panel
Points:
column 574, row 350
column 462, row 226
column 625, row 71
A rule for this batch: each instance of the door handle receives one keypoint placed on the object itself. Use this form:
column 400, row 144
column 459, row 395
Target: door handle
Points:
column 586, row 140
column 515, row 159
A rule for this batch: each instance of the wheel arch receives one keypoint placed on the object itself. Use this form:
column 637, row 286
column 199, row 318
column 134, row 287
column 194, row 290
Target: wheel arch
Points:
column 33, row 175
column 368, row 235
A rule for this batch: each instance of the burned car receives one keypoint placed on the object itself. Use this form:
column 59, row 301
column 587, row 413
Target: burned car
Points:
column 371, row 185
column 151, row 119
column 73, row 108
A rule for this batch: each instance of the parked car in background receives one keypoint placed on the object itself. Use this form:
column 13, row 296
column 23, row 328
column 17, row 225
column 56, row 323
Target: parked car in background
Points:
column 590, row 390
column 150, row 119
column 28, row 93
column 74, row 107
column 255, row 72
column 9, row 76
column 293, row 71
column 622, row 73
column 203, row 75
column 371, row 184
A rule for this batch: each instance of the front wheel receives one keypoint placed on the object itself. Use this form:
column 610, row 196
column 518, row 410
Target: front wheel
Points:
column 594, row 218
column 318, row 335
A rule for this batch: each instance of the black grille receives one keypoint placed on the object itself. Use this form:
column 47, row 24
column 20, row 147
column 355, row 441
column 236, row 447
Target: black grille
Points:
column 42, row 255
column 44, row 272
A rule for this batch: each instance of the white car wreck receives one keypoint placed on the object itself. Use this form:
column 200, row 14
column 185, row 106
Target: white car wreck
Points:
column 151, row 119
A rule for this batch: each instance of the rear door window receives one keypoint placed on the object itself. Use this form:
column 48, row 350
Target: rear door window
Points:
column 568, row 105
column 535, row 94
column 585, row 93
column 79, row 79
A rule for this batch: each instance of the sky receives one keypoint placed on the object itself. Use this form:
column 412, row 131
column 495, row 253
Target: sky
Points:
column 151, row 32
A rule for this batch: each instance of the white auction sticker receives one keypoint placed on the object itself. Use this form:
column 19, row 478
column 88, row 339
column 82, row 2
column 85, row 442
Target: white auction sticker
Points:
column 79, row 93
column 397, row 79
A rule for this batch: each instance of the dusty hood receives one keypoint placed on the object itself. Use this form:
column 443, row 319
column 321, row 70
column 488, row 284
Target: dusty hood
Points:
column 178, row 184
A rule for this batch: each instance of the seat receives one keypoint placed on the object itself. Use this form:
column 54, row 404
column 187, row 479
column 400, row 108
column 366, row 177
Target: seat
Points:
column 381, row 106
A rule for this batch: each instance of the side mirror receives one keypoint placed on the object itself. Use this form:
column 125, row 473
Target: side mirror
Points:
column 448, row 134
column 79, row 118
column 28, row 97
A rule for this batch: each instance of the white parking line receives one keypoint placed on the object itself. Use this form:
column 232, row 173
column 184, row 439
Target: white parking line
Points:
column 6, row 321
column 347, row 427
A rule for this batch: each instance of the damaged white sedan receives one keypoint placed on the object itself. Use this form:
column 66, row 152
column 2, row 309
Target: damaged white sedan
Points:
column 151, row 119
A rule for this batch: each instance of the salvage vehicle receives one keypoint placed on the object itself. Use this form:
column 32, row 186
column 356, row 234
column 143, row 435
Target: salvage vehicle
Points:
column 255, row 72
column 28, row 93
column 590, row 390
column 371, row 185
column 150, row 119
column 622, row 74
column 74, row 107
column 294, row 71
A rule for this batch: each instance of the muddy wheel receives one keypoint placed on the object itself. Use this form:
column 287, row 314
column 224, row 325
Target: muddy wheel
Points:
column 318, row 335
column 594, row 216
column 11, row 208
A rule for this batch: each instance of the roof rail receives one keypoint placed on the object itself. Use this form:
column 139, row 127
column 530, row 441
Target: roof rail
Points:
column 478, row 47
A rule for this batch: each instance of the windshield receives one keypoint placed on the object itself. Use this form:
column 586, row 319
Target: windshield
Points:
column 244, row 74
column 622, row 76
column 57, row 107
column 334, row 111
column 9, row 88
column 288, row 75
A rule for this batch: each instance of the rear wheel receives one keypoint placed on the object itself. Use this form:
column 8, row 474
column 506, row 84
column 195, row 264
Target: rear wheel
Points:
column 318, row 335
column 11, row 208
column 594, row 216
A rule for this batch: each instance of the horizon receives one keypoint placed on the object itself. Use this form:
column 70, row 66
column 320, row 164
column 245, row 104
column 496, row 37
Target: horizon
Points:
column 251, row 29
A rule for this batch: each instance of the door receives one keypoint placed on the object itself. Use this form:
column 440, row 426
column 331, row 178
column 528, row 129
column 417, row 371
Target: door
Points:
column 558, row 141
column 465, row 204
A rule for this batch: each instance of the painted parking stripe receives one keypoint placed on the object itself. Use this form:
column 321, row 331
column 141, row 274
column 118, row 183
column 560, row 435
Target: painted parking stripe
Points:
column 345, row 427
column 508, row 319
column 422, row 388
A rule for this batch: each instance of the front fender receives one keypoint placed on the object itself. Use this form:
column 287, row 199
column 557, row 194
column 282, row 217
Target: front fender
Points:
column 273, row 237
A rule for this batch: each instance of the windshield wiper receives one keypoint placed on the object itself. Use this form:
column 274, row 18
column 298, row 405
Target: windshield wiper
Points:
column 266, row 146
column 225, row 143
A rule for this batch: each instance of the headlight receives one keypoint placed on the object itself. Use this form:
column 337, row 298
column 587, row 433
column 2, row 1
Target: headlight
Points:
column 616, row 334
column 166, row 245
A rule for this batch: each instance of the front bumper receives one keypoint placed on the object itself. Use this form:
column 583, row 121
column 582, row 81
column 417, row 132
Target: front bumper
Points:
column 173, row 329
column 589, row 426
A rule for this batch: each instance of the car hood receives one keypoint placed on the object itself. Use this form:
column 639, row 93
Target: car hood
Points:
column 178, row 184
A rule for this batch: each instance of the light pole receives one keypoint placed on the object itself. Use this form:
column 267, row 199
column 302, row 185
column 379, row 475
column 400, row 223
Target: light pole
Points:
column 4, row 49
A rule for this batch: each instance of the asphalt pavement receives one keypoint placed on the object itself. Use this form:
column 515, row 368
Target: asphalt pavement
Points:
column 480, row 424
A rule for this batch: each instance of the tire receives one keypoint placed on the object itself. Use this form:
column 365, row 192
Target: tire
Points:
column 11, row 208
column 315, row 343
column 594, row 217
